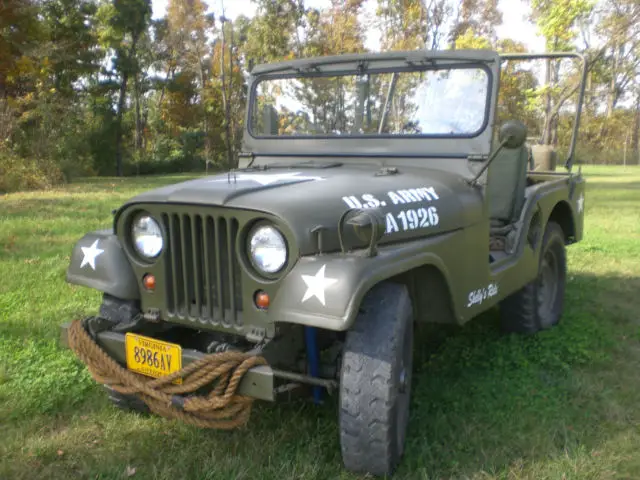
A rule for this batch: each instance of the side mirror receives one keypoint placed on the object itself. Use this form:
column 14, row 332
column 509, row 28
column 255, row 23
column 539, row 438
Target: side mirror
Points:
column 513, row 133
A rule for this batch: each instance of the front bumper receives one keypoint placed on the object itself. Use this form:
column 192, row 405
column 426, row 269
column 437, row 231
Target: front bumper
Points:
column 258, row 382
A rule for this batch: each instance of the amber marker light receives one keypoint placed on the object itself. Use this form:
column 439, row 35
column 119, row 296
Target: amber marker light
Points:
column 149, row 282
column 261, row 298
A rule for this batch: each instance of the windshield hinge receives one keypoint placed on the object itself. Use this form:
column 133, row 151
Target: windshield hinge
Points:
column 250, row 155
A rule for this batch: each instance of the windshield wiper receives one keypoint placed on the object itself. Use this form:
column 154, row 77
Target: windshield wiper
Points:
column 385, row 109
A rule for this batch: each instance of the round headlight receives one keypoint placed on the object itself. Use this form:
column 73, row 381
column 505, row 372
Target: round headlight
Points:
column 147, row 236
column 267, row 249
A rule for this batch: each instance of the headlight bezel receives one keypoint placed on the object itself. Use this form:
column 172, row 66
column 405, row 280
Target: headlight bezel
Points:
column 133, row 219
column 250, row 232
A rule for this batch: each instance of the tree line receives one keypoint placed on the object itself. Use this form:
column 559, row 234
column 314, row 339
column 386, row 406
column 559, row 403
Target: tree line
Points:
column 99, row 87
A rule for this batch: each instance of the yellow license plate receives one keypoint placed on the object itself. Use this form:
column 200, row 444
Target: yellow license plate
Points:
column 152, row 357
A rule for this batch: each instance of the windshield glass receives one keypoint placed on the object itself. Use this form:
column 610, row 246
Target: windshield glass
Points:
column 445, row 101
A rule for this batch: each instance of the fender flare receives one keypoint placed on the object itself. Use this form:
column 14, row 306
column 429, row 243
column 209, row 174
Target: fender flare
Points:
column 98, row 261
column 347, row 279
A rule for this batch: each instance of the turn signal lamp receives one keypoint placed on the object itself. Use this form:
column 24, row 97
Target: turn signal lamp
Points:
column 149, row 282
column 261, row 299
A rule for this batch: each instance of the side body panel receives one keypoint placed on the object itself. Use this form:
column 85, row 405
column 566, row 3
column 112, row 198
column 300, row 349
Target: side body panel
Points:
column 554, row 193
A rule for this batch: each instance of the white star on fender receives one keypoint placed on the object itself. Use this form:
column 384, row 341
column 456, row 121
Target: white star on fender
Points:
column 316, row 285
column 263, row 179
column 580, row 203
column 90, row 254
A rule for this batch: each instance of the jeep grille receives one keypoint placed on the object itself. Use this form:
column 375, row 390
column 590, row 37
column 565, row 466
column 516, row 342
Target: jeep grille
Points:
column 202, row 269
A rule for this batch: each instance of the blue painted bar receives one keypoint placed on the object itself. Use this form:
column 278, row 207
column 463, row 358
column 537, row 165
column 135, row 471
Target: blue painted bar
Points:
column 313, row 357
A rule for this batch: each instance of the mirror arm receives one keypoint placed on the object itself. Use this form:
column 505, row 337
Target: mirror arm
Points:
column 493, row 155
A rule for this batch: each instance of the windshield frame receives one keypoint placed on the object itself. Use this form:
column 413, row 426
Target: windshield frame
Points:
column 373, row 70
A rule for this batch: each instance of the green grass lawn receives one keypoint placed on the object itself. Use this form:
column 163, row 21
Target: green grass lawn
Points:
column 562, row 404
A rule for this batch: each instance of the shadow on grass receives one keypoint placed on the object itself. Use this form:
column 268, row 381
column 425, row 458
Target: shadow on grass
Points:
column 482, row 401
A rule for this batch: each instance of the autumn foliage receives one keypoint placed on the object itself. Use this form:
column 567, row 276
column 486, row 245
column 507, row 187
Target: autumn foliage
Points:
column 103, row 88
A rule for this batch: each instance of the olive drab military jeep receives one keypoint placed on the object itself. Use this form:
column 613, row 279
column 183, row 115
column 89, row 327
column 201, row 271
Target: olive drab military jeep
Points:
column 374, row 192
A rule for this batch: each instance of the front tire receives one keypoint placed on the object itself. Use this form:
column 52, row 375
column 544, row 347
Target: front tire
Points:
column 375, row 382
column 539, row 304
column 121, row 313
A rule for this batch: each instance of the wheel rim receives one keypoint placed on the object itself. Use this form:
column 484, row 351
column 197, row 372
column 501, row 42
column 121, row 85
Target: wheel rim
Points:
column 404, row 386
column 548, row 285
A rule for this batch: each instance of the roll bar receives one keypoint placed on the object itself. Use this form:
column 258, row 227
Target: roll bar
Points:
column 552, row 55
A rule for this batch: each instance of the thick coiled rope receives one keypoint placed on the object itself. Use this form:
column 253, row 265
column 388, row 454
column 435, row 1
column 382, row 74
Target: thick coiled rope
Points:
column 221, row 408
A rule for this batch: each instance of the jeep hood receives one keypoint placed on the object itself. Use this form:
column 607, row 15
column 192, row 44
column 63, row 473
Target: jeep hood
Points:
column 416, row 202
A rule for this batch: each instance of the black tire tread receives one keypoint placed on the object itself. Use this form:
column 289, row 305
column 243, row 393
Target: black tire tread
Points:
column 519, row 312
column 118, row 310
column 367, row 391
column 121, row 311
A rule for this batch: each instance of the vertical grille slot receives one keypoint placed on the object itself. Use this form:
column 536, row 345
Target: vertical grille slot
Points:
column 187, row 264
column 219, row 262
column 223, row 270
column 168, row 267
column 234, row 271
column 176, row 263
column 198, row 263
column 230, row 272
column 209, row 266
column 237, row 281
column 203, row 276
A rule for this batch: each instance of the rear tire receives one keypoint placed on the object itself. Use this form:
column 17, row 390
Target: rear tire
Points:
column 121, row 312
column 539, row 304
column 375, row 382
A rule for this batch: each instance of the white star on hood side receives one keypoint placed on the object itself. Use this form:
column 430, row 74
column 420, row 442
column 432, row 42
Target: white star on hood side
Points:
column 90, row 254
column 262, row 178
column 316, row 285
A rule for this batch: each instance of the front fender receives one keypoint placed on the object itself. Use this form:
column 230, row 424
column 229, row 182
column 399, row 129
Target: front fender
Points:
column 326, row 290
column 99, row 262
